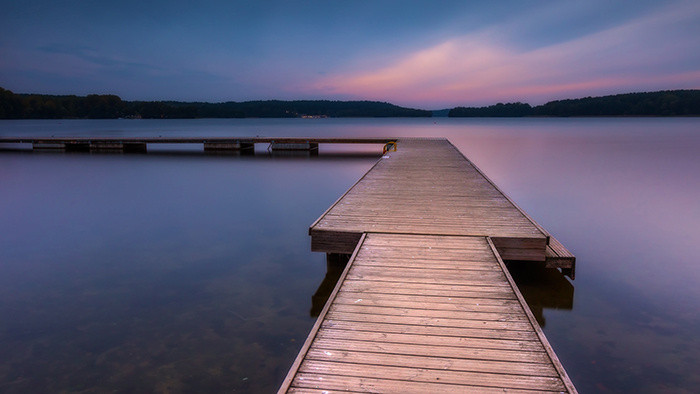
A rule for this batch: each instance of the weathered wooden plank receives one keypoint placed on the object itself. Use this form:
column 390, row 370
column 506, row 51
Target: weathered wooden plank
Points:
column 450, row 289
column 437, row 254
column 352, row 297
column 445, row 306
column 376, row 287
column 434, row 346
column 334, row 241
column 441, row 363
column 441, row 264
column 427, row 258
column 481, row 379
column 428, row 330
column 443, row 279
column 374, row 385
column 427, row 273
column 420, row 311
column 470, row 348
column 428, row 321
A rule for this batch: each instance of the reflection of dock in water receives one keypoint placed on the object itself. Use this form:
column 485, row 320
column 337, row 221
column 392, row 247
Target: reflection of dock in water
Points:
column 425, row 303
column 335, row 264
column 543, row 288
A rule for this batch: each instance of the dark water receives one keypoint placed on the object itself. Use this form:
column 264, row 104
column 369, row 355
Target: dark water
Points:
column 192, row 273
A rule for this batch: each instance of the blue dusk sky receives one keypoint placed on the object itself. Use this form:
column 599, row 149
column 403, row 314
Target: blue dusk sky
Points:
column 425, row 54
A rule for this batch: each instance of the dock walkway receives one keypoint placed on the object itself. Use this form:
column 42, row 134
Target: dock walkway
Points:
column 216, row 144
column 425, row 303
column 429, row 187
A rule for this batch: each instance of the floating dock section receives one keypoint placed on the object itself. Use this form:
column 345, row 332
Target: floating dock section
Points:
column 244, row 145
column 425, row 303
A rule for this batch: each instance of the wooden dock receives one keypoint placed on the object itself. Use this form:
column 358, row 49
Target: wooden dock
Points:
column 428, row 187
column 211, row 144
column 425, row 303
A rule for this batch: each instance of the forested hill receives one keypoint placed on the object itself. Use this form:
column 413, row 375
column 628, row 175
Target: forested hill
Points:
column 39, row 106
column 663, row 103
column 35, row 106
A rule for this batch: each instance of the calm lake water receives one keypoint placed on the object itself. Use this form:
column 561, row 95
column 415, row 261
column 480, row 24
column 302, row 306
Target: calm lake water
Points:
column 184, row 272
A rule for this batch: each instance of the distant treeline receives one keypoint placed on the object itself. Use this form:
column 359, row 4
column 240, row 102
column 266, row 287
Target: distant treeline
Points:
column 40, row 106
column 663, row 103
column 499, row 110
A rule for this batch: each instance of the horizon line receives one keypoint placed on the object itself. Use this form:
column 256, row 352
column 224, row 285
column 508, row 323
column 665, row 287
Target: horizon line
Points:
column 347, row 101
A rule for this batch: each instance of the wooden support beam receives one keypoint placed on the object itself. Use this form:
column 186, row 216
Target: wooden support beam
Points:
column 557, row 256
column 77, row 146
column 222, row 146
column 306, row 146
column 524, row 249
column 110, row 146
column 135, row 147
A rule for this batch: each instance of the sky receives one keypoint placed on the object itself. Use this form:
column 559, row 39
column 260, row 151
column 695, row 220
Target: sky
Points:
column 421, row 54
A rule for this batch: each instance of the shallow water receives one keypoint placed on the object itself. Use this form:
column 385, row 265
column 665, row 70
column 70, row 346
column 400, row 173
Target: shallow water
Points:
column 189, row 272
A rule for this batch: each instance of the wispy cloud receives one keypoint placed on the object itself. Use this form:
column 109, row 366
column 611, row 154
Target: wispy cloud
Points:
column 642, row 54
column 90, row 57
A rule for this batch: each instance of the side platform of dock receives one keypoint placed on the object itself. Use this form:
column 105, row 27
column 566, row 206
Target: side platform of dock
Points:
column 244, row 145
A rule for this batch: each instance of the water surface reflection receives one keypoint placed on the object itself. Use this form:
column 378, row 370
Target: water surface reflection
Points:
column 619, row 193
column 543, row 288
column 159, row 273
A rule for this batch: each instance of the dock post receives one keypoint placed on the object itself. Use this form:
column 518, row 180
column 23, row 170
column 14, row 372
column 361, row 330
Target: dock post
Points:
column 247, row 148
column 106, row 146
column 77, row 146
column 221, row 146
column 135, row 147
column 313, row 148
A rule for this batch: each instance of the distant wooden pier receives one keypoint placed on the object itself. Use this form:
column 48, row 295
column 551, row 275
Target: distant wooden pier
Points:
column 217, row 144
column 425, row 304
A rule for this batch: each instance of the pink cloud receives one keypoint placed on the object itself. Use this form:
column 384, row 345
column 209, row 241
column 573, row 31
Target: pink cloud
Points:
column 645, row 54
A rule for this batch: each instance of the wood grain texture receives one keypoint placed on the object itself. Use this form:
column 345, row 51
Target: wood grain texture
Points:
column 435, row 325
column 425, row 303
column 429, row 187
column 557, row 256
